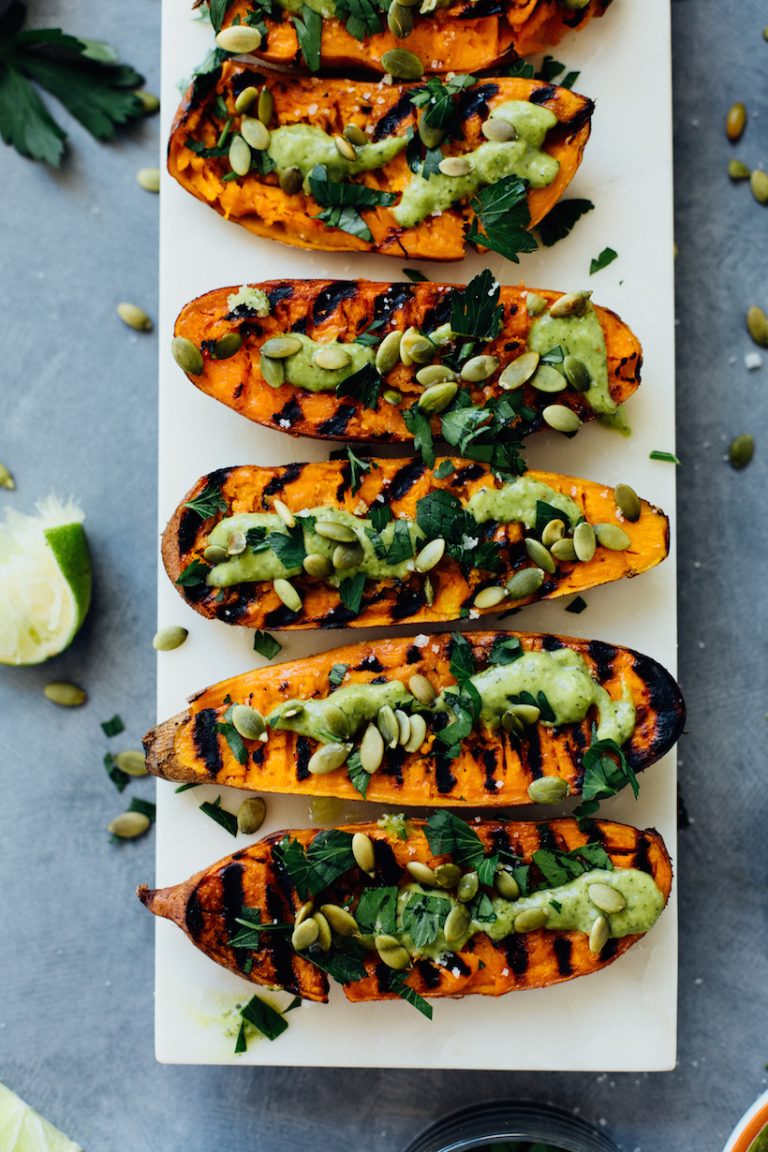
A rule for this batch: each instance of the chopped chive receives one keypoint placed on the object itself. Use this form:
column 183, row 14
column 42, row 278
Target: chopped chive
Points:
column 266, row 645
column 146, row 807
column 577, row 605
column 415, row 276
column 666, row 457
column 606, row 257
column 186, row 787
column 227, row 820
column 119, row 778
column 113, row 727
column 264, row 1018
column 241, row 1044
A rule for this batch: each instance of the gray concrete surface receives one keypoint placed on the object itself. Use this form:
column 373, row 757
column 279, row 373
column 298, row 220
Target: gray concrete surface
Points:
column 78, row 401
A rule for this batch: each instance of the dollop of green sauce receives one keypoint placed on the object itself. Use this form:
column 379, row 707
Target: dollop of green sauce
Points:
column 760, row 1142
column 304, row 146
column 516, row 502
column 360, row 703
column 301, row 370
column 582, row 337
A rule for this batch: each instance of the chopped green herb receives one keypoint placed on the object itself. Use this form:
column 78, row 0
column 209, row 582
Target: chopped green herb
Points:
column 546, row 512
column 309, row 30
column 233, row 737
column 364, row 385
column 252, row 927
column 397, row 983
column 265, row 644
column 560, row 867
column 380, row 515
column 448, row 835
column 606, row 257
column 186, row 787
column 337, row 674
column 341, row 201
column 556, row 905
column 665, row 457
column 423, row 918
column 146, row 807
column 241, row 1043
column 194, row 574
column 351, row 592
column 444, row 468
column 264, row 1018
column 555, row 356
column 376, row 911
column 209, row 502
column 361, row 17
column 357, row 774
column 576, row 606
column 357, row 469
column 557, row 224
column 344, row 964
column 501, row 209
column 113, row 727
column 505, row 650
column 120, row 779
column 607, row 771
column 227, row 820
column 475, row 310
column 415, row 276
column 417, row 423
column 288, row 545
column 328, row 857
column 436, row 97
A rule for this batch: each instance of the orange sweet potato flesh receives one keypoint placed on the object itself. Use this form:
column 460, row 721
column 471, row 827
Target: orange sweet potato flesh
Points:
column 259, row 204
column 402, row 483
column 493, row 769
column 205, row 906
column 458, row 38
column 340, row 310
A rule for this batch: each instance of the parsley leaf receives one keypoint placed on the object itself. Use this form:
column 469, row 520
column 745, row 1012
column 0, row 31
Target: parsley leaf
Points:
column 313, row 869
column 217, row 10
column 401, row 547
column 546, row 512
column 113, row 727
column 361, row 17
column 376, row 911
column 358, row 468
column 606, row 257
column 351, row 591
column 359, row 778
column 417, row 423
column 233, row 737
column 606, row 771
column 505, row 650
column 576, row 606
column 193, row 575
column 341, row 201
column 436, row 98
column 462, row 660
column 208, row 502
column 265, row 644
column 264, row 1018
column 448, row 835
column 337, row 674
column 502, row 211
column 220, row 815
column 309, row 30
column 445, row 468
column 560, row 221
column 397, row 983
column 288, row 546
column 560, row 867
column 364, row 385
column 475, row 310
column 424, row 916
column 344, row 964
column 380, row 515
column 249, row 935
column 415, row 276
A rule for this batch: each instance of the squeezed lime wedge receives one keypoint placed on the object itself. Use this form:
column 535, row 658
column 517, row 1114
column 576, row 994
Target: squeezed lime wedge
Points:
column 24, row 1130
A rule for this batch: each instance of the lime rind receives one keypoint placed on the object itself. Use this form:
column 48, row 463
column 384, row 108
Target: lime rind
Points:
column 24, row 1130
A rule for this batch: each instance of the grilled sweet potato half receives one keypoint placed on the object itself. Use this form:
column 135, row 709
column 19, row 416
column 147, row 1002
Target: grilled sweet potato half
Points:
column 382, row 905
column 461, row 37
column 543, row 702
column 364, row 543
column 301, row 181
column 368, row 387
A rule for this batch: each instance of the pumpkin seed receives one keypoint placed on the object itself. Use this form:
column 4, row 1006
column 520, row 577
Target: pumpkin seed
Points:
column 342, row 922
column 520, row 371
column 402, row 65
column 531, row 919
column 758, row 182
column 346, row 556
column 291, row 181
column 148, row 179
column 239, row 156
column 553, row 531
column 512, row 723
column 317, row 565
column 736, row 121
column 291, row 713
column 429, row 591
column 563, row 550
column 506, row 885
column 479, row 368
column 134, row 317
column 627, row 502
column 266, row 107
column 441, row 335
column 409, row 3
column 251, row 815
column 246, row 99
column 434, row 374
column 525, row 583
column 757, row 325
column 535, row 304
column 540, row 555
column 392, row 396
column 255, row 134
column 418, row 733
column 64, row 694
column 215, row 554
column 548, row 790
column 129, row 825
column 284, row 513
column 584, row 542
column 248, row 721
column 416, row 348
column 576, row 5
column 371, row 749
column 490, row 597
column 336, row 722
column 403, row 726
column 6, row 479
column 304, row 912
column 399, row 20
column 455, row 166
column 239, row 39
column 386, row 722
column 236, row 543
column 572, row 304
column 548, row 379
column 422, row 873
column 304, row 935
column 169, row 638
column 389, row 948
column 362, row 850
column 345, row 149
column 429, row 135
column 448, row 875
column 612, row 537
column 599, row 935
column 286, row 592
column 355, row 134
column 577, row 374
column 132, row 762
column 332, row 358
column 741, row 451
column 388, row 353
column 335, row 530
column 437, row 397
column 499, row 130
column 456, row 923
column 423, row 689
column 738, row 170
column 606, row 898
column 227, row 345
column 527, row 713
column 430, row 555
column 324, row 938
column 273, row 371
column 561, row 419
column 281, row 347
column 468, row 887
column 149, row 102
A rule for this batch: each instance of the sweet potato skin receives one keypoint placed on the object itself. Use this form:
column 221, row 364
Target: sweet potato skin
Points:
column 204, row 908
column 403, row 483
column 260, row 205
column 340, row 310
column 454, row 38
column 493, row 770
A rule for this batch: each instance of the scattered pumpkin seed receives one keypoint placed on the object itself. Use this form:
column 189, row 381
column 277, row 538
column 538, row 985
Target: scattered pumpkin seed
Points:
column 362, row 850
column 386, row 722
column 403, row 727
column 531, row 919
column 599, row 935
column 371, row 749
column 506, row 885
column 215, row 554
column 437, row 397
column 6, row 479
column 606, row 898
column 584, row 541
column 421, row 873
column 490, row 597
column 324, row 938
column 246, row 98
column 291, row 181
column 441, row 335
column 527, row 713
column 456, row 923
column 423, row 690
column 757, row 325
column 332, row 358
column 227, row 345
column 519, row 371
column 281, row 347
column 239, row 39
column 129, row 825
column 525, row 582
column 736, row 121
column 741, row 451
column 577, row 374
column 540, row 555
column 132, row 762
column 561, row 419
column 455, row 166
column 248, row 721
column 627, row 502
column 342, row 922
column 236, row 543
column 758, row 182
column 345, row 149
column 304, row 912
column 187, row 355
column 434, row 374
column 499, row 130
column 448, row 875
column 317, row 565
column 553, row 531
column 512, row 723
column 429, row 591
column 563, row 550
column 64, row 694
column 392, row 396
column 400, row 20
column 402, row 65
column 430, row 555
column 273, row 371
column 239, row 156
column 572, row 304
column 169, row 638
column 255, row 134
column 416, row 348
column 389, row 948
column 134, row 317
column 612, row 537
column 266, row 107
column 479, row 368
column 388, row 353
column 251, row 815
column 286, row 593
column 148, row 179
column 296, row 710
column 304, row 935
column 548, row 379
column 429, row 135
column 346, row 556
column 284, row 513
column 468, row 887
column 335, row 530
column 149, row 102
column 418, row 733
column 548, row 790
column 355, row 134
column 738, row 170
column 336, row 721
column 535, row 304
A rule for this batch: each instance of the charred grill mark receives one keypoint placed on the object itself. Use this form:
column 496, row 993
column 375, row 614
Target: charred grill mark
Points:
column 338, row 617
column 382, row 974
column 609, row 950
column 603, row 656
column 481, row 9
column 466, row 474
column 387, row 867
column 280, row 293
column 206, row 740
column 439, row 313
column 444, row 778
column 239, row 389
column 666, row 701
column 489, row 763
column 193, row 916
column 245, row 79
column 288, row 475
column 547, row 839
column 279, row 618
column 276, row 944
column 393, row 765
column 641, row 857
column 258, row 755
column 395, row 298
column 541, row 95
column 387, row 125
column 473, row 101
column 300, row 325
column 454, row 963
column 563, row 947
column 533, row 750
column 370, row 664
column 328, row 300
column 290, row 414
column 576, row 122
column 405, row 478
column 552, row 643
column 189, row 525
column 233, row 611
column 232, row 900
column 517, row 954
column 408, row 603
column 303, row 754
column 499, row 840
column 336, row 425
column 344, row 482
column 428, row 973
column 413, row 655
